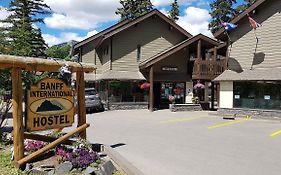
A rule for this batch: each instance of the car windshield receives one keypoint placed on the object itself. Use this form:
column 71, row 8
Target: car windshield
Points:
column 90, row 92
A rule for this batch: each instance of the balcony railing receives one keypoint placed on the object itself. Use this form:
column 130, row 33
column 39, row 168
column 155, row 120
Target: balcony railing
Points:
column 208, row 69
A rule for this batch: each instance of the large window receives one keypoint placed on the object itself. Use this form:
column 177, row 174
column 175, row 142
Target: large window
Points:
column 257, row 95
column 172, row 89
column 125, row 91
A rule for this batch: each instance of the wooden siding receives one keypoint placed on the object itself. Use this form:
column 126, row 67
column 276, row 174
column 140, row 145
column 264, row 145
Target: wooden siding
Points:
column 268, row 48
column 105, row 57
column 89, row 55
column 154, row 35
column 178, row 60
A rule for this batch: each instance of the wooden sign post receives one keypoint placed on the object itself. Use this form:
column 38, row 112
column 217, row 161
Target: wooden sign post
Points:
column 50, row 96
column 17, row 114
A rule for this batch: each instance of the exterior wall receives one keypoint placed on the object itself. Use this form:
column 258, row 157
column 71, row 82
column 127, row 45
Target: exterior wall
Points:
column 153, row 35
column 103, row 53
column 268, row 49
column 226, row 95
column 89, row 55
column 177, row 60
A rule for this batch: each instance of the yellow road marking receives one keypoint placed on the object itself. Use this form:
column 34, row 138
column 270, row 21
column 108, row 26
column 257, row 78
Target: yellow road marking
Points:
column 228, row 123
column 276, row 133
column 182, row 119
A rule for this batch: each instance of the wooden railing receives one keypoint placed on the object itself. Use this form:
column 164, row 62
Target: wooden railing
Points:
column 208, row 69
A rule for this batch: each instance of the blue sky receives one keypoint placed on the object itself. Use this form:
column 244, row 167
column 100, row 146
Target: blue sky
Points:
column 79, row 19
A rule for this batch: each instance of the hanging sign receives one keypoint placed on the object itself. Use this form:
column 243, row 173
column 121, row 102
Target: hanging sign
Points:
column 173, row 69
column 50, row 105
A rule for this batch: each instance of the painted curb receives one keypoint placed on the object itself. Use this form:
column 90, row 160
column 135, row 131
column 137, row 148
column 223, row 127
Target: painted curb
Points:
column 123, row 163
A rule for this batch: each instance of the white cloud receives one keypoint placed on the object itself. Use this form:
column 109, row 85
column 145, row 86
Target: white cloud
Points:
column 85, row 15
column 195, row 21
column 3, row 15
column 65, row 37
column 91, row 33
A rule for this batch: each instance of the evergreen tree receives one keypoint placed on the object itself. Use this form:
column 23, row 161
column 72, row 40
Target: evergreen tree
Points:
column 221, row 11
column 174, row 12
column 245, row 5
column 62, row 52
column 132, row 9
column 23, row 37
column 248, row 3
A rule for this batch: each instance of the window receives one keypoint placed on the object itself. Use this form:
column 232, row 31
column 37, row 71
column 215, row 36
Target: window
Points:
column 138, row 53
column 257, row 95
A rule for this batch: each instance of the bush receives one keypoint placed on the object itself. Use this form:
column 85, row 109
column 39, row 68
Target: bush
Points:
column 81, row 156
column 33, row 145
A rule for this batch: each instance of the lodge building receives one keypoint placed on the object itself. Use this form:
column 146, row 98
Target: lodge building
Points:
column 152, row 46
column 241, row 72
column 126, row 52
column 252, row 83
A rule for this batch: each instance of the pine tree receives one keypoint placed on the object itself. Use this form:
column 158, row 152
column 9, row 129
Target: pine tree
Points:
column 174, row 12
column 132, row 9
column 221, row 11
column 23, row 37
column 245, row 5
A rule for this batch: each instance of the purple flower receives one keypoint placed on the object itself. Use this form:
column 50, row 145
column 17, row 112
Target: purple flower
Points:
column 32, row 145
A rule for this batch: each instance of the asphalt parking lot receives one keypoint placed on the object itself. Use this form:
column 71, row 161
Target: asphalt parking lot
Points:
column 181, row 143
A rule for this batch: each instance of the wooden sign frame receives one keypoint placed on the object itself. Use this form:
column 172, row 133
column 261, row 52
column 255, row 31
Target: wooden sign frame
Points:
column 17, row 65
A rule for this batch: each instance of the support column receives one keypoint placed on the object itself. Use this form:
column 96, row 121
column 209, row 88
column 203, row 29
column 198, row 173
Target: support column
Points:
column 151, row 93
column 213, row 96
column 206, row 92
column 215, row 70
column 199, row 50
column 188, row 61
column 81, row 110
column 18, row 129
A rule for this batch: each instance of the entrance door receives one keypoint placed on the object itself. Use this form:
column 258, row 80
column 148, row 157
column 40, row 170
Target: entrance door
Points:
column 156, row 90
column 167, row 89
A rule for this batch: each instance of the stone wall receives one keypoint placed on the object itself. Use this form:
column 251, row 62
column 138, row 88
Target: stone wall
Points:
column 254, row 113
column 127, row 106
column 185, row 107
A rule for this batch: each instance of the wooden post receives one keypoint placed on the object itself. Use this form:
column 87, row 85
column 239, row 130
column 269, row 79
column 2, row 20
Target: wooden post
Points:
column 215, row 53
column 51, row 145
column 215, row 69
column 17, row 114
column 81, row 101
column 199, row 51
column 151, row 93
column 213, row 96
column 188, row 61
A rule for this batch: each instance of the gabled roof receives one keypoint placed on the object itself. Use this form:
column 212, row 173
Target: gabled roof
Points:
column 240, row 16
column 152, row 60
column 101, row 36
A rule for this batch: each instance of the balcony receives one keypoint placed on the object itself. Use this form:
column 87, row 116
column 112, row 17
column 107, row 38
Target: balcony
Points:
column 208, row 69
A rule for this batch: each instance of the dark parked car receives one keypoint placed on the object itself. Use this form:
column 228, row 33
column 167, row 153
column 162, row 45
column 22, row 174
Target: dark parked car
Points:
column 92, row 100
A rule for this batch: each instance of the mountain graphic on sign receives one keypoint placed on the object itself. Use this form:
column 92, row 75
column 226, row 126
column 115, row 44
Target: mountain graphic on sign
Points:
column 50, row 106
